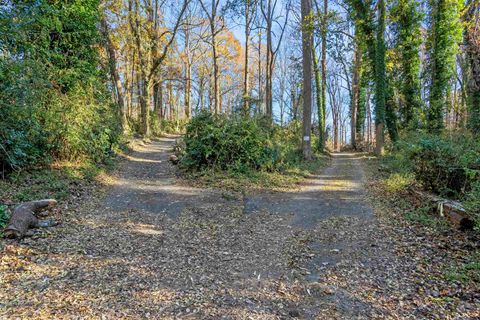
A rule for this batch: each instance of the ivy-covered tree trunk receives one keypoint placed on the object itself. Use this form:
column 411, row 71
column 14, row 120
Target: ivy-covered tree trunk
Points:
column 409, row 40
column 380, row 80
column 361, row 106
column 472, row 37
column 445, row 35
column 319, row 102
column 390, row 114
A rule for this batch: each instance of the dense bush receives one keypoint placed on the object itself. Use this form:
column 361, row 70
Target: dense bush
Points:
column 53, row 101
column 229, row 143
column 447, row 165
column 3, row 216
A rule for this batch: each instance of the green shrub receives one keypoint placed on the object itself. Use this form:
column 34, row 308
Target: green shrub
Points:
column 398, row 182
column 53, row 101
column 238, row 144
column 472, row 203
column 3, row 217
column 446, row 165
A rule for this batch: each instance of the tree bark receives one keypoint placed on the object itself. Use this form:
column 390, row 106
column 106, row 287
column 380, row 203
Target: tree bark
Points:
column 268, row 66
column 355, row 97
column 144, row 94
column 380, row 81
column 260, row 91
column 246, row 98
column 472, row 35
column 318, row 95
column 112, row 64
column 324, row 59
column 307, row 77
column 212, row 20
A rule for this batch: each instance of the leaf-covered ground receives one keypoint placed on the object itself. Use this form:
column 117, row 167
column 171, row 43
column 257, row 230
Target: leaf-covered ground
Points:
column 147, row 247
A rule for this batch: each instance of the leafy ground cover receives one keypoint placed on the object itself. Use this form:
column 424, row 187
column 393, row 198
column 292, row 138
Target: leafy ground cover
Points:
column 198, row 252
column 447, row 259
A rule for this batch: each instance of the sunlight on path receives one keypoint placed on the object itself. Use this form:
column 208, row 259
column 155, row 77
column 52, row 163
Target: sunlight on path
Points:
column 336, row 192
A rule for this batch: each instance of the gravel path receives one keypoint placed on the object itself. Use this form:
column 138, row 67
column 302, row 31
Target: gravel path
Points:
column 155, row 249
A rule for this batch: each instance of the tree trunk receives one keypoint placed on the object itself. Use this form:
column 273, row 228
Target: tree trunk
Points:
column 144, row 95
column 355, row 97
column 318, row 96
column 380, row 80
column 246, row 98
column 324, row 59
column 335, row 134
column 215, row 76
column 188, row 89
column 260, row 92
column 171, row 107
column 472, row 35
column 268, row 66
column 158, row 99
column 201, row 93
column 23, row 217
column 307, row 77
column 112, row 64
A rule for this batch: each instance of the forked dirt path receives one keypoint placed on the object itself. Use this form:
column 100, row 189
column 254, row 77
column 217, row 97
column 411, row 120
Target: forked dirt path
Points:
column 155, row 249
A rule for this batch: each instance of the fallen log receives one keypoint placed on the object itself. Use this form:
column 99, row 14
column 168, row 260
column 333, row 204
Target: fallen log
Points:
column 23, row 217
column 453, row 211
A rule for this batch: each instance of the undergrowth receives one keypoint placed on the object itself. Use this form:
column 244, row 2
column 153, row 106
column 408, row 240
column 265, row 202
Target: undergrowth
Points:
column 468, row 270
column 3, row 217
column 446, row 165
column 60, row 180
column 389, row 194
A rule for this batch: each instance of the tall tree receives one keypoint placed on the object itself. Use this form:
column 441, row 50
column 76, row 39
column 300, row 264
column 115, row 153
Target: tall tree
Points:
column 355, row 91
column 150, row 57
column 380, row 88
column 307, row 37
column 361, row 83
column 324, row 64
column 215, row 22
column 247, row 9
column 318, row 99
column 320, row 74
column 114, row 74
column 472, row 37
column 445, row 35
column 407, row 17
column 269, row 9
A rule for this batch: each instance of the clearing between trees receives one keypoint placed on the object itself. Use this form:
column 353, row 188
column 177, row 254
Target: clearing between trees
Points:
column 149, row 246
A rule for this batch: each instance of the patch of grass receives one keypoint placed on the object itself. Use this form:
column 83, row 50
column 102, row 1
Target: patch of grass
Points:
column 398, row 182
column 58, row 181
column 423, row 216
column 465, row 272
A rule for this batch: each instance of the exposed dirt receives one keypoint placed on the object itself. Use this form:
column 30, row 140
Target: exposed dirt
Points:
column 151, row 248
